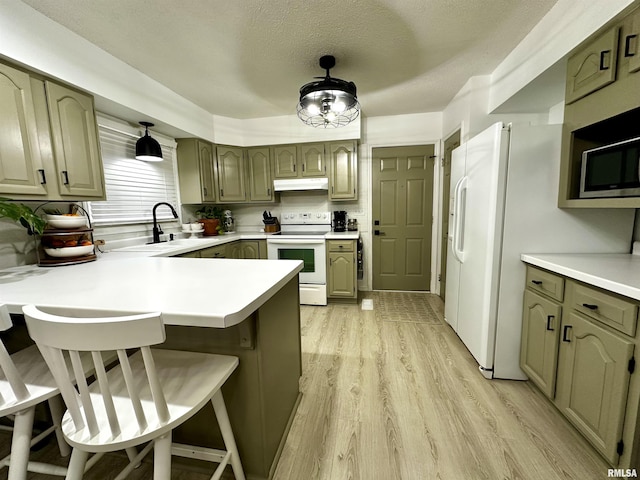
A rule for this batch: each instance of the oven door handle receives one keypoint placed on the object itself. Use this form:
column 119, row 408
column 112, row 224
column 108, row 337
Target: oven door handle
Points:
column 288, row 241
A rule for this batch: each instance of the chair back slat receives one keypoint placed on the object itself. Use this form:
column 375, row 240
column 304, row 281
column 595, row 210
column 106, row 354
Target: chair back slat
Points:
column 85, row 397
column 154, row 384
column 132, row 389
column 107, row 398
column 55, row 360
column 12, row 375
column 5, row 318
column 7, row 366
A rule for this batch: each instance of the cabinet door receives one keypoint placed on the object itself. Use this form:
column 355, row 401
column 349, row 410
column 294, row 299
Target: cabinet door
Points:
column 539, row 344
column 260, row 183
column 250, row 249
column 341, row 276
column 593, row 379
column 219, row 251
column 75, row 142
column 343, row 171
column 312, row 159
column 21, row 169
column 285, row 160
column 631, row 43
column 207, row 169
column 234, row 250
column 593, row 67
column 231, row 176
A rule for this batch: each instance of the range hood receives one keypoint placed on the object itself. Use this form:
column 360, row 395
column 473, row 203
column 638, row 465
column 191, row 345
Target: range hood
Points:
column 318, row 183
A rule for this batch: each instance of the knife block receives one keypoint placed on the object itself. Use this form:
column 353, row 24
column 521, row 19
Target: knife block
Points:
column 272, row 228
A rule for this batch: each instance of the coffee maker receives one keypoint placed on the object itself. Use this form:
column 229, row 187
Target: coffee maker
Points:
column 339, row 221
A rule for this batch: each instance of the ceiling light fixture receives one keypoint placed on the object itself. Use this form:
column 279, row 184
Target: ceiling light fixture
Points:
column 330, row 102
column 148, row 148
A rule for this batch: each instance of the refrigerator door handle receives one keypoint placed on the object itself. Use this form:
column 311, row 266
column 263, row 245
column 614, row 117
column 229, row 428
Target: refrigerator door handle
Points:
column 460, row 208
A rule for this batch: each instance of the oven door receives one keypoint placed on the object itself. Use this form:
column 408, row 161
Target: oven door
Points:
column 310, row 251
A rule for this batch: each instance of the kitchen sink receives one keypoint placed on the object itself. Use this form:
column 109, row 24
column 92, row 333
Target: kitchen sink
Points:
column 157, row 247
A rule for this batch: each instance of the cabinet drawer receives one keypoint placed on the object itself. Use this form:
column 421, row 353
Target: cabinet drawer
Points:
column 617, row 312
column 545, row 282
column 214, row 252
column 341, row 245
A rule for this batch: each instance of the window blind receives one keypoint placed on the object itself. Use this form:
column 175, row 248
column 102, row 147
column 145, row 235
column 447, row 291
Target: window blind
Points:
column 133, row 187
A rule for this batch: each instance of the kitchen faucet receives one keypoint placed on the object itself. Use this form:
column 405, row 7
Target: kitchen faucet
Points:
column 156, row 229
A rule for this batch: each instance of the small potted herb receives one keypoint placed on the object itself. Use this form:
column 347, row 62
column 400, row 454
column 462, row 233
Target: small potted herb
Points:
column 211, row 217
column 23, row 215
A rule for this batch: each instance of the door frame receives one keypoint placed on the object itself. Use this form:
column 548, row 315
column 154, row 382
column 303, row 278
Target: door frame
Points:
column 435, row 213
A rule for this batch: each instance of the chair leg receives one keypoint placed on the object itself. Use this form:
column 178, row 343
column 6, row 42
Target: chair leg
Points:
column 77, row 464
column 21, row 444
column 162, row 457
column 227, row 434
column 57, row 410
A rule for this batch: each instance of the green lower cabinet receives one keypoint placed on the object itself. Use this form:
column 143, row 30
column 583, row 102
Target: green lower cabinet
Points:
column 247, row 249
column 540, row 336
column 341, row 269
column 593, row 381
column 219, row 251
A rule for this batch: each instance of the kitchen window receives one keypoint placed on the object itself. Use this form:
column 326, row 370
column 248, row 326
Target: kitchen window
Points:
column 133, row 187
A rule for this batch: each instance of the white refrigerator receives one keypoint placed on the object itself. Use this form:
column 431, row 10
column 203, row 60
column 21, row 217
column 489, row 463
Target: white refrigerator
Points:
column 504, row 190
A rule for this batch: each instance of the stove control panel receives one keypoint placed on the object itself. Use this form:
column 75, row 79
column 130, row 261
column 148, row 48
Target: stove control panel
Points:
column 306, row 218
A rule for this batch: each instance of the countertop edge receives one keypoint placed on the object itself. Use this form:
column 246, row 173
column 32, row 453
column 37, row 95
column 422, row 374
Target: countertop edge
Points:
column 598, row 270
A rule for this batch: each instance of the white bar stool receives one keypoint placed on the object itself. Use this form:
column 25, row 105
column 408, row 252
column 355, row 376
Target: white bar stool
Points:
column 25, row 381
column 142, row 399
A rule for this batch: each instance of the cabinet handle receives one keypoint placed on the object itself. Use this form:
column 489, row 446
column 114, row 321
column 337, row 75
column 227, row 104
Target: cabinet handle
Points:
column 549, row 318
column 590, row 306
column 43, row 179
column 603, row 54
column 294, row 167
column 303, row 167
column 536, row 282
column 330, row 261
column 564, row 333
column 627, row 45
column 221, row 192
column 204, row 191
column 268, row 191
column 65, row 175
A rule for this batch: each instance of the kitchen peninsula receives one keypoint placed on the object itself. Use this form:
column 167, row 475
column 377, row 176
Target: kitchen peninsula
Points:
column 247, row 308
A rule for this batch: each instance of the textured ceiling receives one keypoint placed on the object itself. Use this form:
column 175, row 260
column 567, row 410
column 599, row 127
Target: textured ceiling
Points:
column 248, row 58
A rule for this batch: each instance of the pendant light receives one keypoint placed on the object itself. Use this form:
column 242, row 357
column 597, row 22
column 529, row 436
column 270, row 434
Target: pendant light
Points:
column 329, row 102
column 148, row 148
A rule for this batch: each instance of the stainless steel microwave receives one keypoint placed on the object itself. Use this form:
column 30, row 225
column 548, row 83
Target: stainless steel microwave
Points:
column 611, row 171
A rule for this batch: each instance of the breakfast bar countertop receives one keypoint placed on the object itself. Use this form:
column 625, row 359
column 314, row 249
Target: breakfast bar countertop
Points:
column 215, row 293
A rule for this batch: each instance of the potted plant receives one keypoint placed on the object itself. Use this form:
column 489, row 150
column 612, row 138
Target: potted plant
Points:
column 211, row 217
column 23, row 215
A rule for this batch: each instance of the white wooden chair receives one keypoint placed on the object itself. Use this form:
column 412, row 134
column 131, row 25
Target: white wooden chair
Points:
column 25, row 381
column 142, row 399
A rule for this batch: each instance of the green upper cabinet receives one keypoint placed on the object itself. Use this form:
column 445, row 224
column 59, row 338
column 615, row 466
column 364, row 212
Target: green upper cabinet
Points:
column 259, row 175
column 593, row 66
column 343, row 170
column 196, row 171
column 312, row 160
column 74, row 136
column 231, row 174
column 302, row 160
column 631, row 42
column 21, row 170
column 285, row 161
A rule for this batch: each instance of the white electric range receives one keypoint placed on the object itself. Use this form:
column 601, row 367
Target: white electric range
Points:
column 302, row 237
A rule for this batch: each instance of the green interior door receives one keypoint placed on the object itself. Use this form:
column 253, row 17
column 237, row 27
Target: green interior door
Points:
column 402, row 217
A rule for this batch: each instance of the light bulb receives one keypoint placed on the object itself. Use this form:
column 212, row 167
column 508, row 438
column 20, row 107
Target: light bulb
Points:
column 330, row 116
column 313, row 109
column 338, row 107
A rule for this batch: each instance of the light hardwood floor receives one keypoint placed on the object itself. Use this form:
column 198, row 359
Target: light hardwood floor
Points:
column 392, row 394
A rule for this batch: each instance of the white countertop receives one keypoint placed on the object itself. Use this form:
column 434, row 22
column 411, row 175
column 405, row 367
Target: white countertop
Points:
column 352, row 235
column 618, row 273
column 188, row 291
